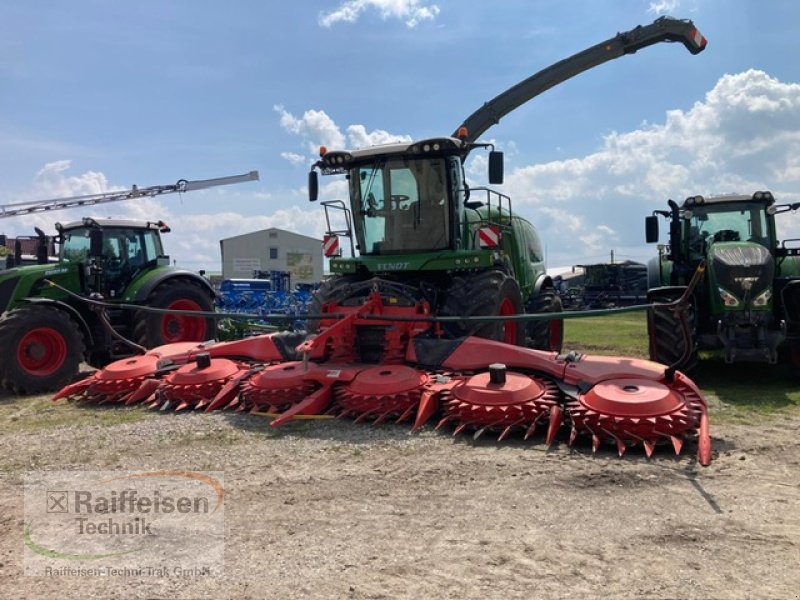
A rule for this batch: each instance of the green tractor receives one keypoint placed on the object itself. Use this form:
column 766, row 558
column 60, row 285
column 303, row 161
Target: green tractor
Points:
column 423, row 236
column 48, row 331
column 748, row 305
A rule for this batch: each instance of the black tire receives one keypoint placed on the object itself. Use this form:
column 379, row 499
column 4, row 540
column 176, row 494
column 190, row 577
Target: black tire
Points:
column 666, row 338
column 155, row 329
column 487, row 293
column 545, row 335
column 44, row 349
column 336, row 289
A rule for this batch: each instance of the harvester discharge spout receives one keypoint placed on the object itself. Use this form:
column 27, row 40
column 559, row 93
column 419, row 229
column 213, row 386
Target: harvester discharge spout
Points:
column 664, row 29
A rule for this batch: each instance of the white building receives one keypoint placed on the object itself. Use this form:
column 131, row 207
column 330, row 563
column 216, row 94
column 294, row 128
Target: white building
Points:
column 272, row 250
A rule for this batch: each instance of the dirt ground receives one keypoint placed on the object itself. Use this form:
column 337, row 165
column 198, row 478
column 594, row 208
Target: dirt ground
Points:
column 332, row 509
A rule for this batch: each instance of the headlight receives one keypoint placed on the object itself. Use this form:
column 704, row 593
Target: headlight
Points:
column 728, row 299
column 763, row 298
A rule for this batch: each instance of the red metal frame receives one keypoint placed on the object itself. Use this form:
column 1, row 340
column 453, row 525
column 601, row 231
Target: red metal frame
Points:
column 625, row 401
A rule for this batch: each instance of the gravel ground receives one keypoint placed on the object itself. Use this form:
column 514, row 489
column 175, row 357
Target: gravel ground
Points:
column 331, row 509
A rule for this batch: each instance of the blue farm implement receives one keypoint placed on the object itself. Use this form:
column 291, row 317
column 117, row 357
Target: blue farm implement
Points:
column 267, row 298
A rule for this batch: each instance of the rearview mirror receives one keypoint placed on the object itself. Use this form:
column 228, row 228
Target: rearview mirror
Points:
column 651, row 229
column 495, row 167
column 313, row 186
column 96, row 243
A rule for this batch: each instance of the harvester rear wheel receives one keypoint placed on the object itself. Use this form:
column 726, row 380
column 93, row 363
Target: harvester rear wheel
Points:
column 44, row 349
column 156, row 329
column 545, row 335
column 487, row 293
column 667, row 341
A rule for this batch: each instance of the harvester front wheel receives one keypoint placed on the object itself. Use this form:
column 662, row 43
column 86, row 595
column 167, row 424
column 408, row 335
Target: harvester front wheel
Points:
column 668, row 344
column 488, row 293
column 44, row 349
column 157, row 329
column 545, row 335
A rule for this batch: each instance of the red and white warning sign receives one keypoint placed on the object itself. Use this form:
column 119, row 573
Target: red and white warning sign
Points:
column 330, row 245
column 489, row 236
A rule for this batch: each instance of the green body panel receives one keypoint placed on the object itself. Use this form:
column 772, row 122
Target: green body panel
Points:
column 134, row 289
column 788, row 266
column 520, row 251
column 430, row 261
column 715, row 301
column 31, row 284
column 66, row 275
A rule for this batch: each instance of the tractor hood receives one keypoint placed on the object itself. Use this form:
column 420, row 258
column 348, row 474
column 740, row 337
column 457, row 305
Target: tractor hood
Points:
column 744, row 270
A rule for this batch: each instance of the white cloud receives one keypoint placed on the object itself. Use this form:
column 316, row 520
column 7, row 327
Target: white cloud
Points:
column 663, row 7
column 411, row 12
column 315, row 126
column 295, row 159
column 317, row 129
column 50, row 182
column 359, row 137
column 742, row 137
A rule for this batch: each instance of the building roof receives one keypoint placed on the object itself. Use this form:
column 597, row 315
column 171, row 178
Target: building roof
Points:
column 264, row 231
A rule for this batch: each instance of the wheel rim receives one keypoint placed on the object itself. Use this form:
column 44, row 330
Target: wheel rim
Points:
column 42, row 351
column 509, row 327
column 183, row 328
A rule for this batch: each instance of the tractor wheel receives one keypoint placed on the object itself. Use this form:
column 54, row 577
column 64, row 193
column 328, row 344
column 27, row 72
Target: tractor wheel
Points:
column 488, row 293
column 666, row 338
column 156, row 329
column 545, row 335
column 334, row 289
column 43, row 347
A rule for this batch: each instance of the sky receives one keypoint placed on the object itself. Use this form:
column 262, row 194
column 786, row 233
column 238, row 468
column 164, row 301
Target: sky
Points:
column 98, row 96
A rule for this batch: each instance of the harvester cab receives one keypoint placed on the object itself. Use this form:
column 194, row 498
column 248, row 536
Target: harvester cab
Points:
column 425, row 240
column 750, row 305
column 408, row 198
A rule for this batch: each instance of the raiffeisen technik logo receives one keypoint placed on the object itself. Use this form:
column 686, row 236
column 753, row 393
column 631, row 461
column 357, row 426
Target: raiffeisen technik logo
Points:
column 174, row 515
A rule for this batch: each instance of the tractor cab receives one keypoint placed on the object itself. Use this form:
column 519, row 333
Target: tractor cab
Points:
column 726, row 219
column 112, row 251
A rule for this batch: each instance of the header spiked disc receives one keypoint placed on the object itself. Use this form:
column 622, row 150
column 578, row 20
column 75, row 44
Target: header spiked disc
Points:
column 515, row 401
column 632, row 411
column 195, row 384
column 382, row 392
column 276, row 387
column 117, row 382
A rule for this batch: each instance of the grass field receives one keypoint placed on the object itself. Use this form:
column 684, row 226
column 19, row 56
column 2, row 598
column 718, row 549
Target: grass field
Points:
column 735, row 392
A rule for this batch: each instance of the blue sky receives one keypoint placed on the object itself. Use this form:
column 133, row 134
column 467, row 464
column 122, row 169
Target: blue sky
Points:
column 100, row 95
